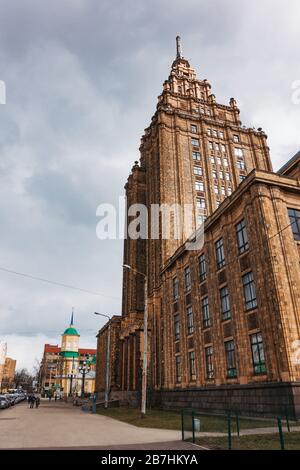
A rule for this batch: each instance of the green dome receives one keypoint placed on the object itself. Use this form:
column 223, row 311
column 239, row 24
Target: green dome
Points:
column 71, row 331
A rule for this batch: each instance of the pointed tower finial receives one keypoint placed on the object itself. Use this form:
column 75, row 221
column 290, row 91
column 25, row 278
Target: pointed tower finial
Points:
column 178, row 48
column 72, row 317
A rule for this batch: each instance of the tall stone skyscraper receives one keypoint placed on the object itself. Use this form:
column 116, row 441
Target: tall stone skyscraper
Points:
column 224, row 318
column 195, row 153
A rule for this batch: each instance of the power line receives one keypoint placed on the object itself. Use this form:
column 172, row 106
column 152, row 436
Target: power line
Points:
column 67, row 286
column 56, row 283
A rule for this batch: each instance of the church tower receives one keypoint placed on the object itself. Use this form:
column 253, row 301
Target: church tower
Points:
column 70, row 357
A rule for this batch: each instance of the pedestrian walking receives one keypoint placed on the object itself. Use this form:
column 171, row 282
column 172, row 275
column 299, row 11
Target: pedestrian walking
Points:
column 37, row 401
column 31, row 401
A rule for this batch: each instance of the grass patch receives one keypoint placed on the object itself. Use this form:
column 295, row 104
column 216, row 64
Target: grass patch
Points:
column 153, row 419
column 162, row 419
column 257, row 442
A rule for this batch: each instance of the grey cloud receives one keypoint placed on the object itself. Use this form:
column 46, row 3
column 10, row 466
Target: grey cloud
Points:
column 82, row 80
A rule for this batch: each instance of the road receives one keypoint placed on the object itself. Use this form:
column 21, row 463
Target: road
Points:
column 59, row 425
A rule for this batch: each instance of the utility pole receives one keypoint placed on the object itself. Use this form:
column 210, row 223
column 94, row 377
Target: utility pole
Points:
column 145, row 342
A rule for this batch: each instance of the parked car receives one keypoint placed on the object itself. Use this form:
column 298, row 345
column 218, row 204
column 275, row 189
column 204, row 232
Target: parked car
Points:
column 11, row 398
column 4, row 402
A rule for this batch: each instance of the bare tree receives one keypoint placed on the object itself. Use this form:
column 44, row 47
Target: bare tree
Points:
column 23, row 379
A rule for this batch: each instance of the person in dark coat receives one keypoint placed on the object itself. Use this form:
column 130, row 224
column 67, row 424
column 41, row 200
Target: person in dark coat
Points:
column 31, row 400
column 37, row 401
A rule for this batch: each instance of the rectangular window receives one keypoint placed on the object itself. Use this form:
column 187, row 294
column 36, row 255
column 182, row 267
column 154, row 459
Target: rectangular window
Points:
column 175, row 284
column 216, row 189
column 236, row 138
column 202, row 268
column 249, row 291
column 190, row 320
column 217, row 147
column 187, row 278
column 294, row 216
column 198, row 171
column 214, row 174
column 195, row 142
column 225, row 162
column 242, row 177
column 241, row 165
column 205, row 312
column 227, row 176
column 219, row 161
column 229, row 191
column 242, row 237
column 212, row 160
column 225, row 303
column 238, row 152
column 215, row 134
column 230, row 358
column 199, row 186
column 209, row 352
column 196, row 156
column 178, row 369
column 194, row 129
column 176, row 327
column 192, row 365
column 220, row 255
column 209, row 131
column 211, row 146
column 258, row 354
column 223, row 148
column 201, row 203
column 221, row 135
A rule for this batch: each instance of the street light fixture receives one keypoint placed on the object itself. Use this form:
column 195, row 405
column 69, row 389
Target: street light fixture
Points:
column 145, row 344
column 107, row 372
column 71, row 376
column 84, row 369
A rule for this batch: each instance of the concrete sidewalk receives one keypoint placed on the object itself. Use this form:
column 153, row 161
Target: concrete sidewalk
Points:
column 60, row 425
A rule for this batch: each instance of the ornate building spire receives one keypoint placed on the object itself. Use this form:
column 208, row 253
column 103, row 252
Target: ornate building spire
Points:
column 178, row 48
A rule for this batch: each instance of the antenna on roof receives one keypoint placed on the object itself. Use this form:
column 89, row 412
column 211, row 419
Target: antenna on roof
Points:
column 178, row 48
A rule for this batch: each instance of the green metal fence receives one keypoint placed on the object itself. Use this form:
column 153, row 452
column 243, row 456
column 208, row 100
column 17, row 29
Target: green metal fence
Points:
column 232, row 430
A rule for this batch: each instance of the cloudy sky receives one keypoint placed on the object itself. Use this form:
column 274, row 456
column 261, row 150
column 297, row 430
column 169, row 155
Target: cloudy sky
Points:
column 82, row 79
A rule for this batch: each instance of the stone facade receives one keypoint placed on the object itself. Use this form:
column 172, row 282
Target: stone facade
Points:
column 214, row 336
column 9, row 370
column 115, row 369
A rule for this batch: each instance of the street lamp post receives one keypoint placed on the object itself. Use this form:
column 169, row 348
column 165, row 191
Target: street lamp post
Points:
column 107, row 371
column 71, row 376
column 145, row 343
column 84, row 369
